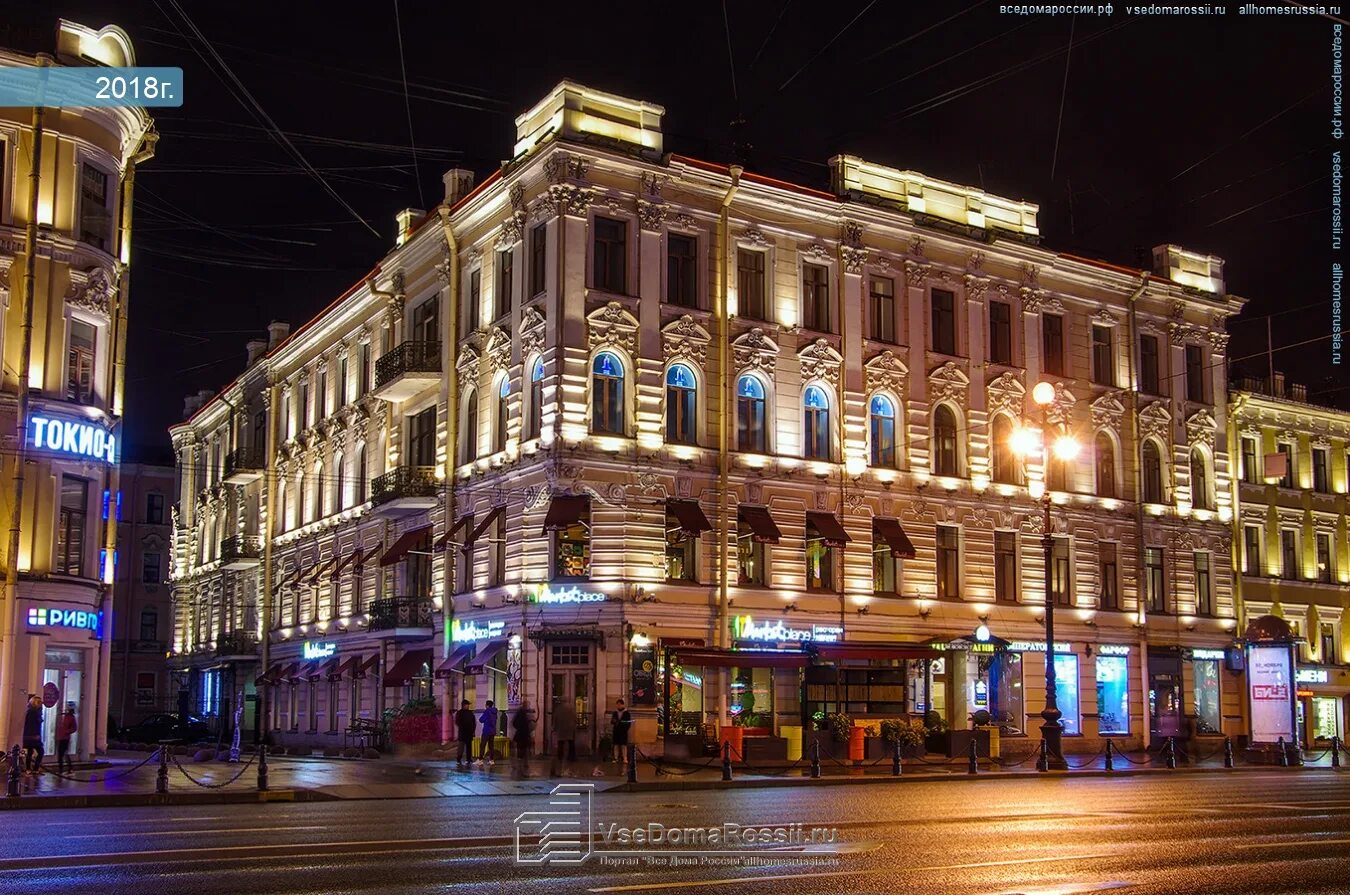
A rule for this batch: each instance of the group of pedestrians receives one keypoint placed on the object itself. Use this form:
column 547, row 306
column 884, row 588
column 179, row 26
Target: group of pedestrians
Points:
column 522, row 725
column 34, row 750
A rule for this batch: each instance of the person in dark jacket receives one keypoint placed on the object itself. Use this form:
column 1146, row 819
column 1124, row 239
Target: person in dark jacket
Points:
column 522, row 737
column 620, row 721
column 464, row 724
column 489, row 721
column 565, row 734
column 32, row 736
column 66, row 726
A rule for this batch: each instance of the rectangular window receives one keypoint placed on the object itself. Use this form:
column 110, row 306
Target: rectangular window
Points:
column 1251, row 550
column 1320, row 467
column 1005, row 566
column 1066, row 691
column 417, row 576
column 422, row 438
column 681, row 552
column 1052, row 343
column 1208, row 717
column 149, row 631
column 609, row 255
column 498, row 551
column 1155, row 585
column 1148, row 364
column 882, row 304
column 681, row 270
column 538, row 255
column 154, row 509
column 321, row 395
column 465, row 557
column 751, row 298
column 1000, row 332
column 150, row 572
column 71, row 527
column 340, row 391
column 1195, row 374
column 819, row 560
column 1288, row 479
column 505, row 283
column 1326, row 646
column 1103, row 365
column 1061, row 573
column 95, row 215
column 948, row 562
column 1109, row 569
column 944, row 321
column 1251, row 465
column 749, row 553
column 1113, row 695
column 80, row 362
column 818, row 314
column 572, row 547
column 364, row 372
column 1326, row 563
column 1289, row 564
column 885, row 565
column 1204, row 587
column 473, row 307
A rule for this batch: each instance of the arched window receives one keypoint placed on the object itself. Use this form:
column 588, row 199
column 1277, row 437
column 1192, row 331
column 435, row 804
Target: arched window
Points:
column 1007, row 467
column 360, row 475
column 752, row 431
column 1153, row 473
column 816, row 428
column 946, row 461
column 607, row 377
column 1199, row 480
column 536, row 399
column 881, row 415
column 681, row 405
column 320, row 492
column 1105, row 450
column 468, row 439
column 340, row 483
column 499, row 418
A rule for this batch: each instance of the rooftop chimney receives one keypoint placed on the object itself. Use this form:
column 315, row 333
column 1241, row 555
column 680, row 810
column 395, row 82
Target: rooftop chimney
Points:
column 193, row 403
column 406, row 218
column 256, row 349
column 458, row 184
column 277, row 333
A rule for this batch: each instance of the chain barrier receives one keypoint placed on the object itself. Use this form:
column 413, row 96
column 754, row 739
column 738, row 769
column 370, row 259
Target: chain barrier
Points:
column 111, row 775
column 663, row 771
column 1009, row 763
column 1087, row 764
column 221, row 785
column 1324, row 753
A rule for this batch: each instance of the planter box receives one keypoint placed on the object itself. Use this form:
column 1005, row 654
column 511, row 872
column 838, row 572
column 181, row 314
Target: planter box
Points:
column 829, row 746
column 681, row 746
column 956, row 743
column 765, row 749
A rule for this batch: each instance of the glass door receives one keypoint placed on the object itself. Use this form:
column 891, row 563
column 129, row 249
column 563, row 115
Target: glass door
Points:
column 69, row 681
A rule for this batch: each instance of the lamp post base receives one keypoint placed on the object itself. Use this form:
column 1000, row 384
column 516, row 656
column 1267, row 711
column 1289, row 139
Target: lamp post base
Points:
column 1054, row 746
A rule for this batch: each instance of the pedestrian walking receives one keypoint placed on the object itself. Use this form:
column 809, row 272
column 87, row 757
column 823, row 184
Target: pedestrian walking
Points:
column 464, row 725
column 522, row 737
column 564, row 735
column 620, row 721
column 489, row 722
column 66, row 726
column 32, row 736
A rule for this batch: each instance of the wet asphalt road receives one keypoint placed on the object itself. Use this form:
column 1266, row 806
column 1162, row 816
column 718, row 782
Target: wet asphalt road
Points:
column 1247, row 832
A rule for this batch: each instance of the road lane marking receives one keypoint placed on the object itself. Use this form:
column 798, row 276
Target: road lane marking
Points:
column 826, row 874
column 1284, row 843
column 216, row 831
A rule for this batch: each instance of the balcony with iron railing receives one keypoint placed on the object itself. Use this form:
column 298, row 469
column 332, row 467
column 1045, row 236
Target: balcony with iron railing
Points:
column 237, row 645
column 404, row 490
column 401, row 618
column 241, row 552
column 1278, row 387
column 407, row 370
column 244, row 465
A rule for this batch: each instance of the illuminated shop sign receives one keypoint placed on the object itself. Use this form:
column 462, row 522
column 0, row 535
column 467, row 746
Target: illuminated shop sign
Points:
column 1038, row 646
column 1113, row 649
column 75, row 437
column 49, row 617
column 470, row 631
column 1216, row 655
column 744, row 627
column 312, row 650
column 1311, row 676
column 573, row 594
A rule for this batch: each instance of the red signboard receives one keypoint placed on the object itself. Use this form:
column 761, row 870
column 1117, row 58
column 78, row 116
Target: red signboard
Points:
column 1270, row 691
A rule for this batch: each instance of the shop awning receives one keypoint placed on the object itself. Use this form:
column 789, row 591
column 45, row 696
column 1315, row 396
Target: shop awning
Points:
column 836, row 652
column 312, row 578
column 290, row 674
column 831, row 532
column 366, row 667
column 407, row 667
column 456, row 660
column 346, row 561
column 286, row 578
column 444, row 540
column 565, row 510
column 763, row 529
column 484, row 525
column 715, row 658
column 890, row 531
column 690, row 516
column 486, row 654
column 346, row 669
column 270, row 678
column 410, row 540
column 321, row 671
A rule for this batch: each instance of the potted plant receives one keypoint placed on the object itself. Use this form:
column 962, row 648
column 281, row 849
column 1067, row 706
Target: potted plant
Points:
column 935, row 732
column 908, row 733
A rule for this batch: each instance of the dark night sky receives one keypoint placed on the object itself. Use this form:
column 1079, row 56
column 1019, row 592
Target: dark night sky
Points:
column 1205, row 132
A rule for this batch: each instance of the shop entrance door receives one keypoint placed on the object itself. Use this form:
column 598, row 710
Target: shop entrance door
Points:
column 1164, row 705
column 65, row 669
column 570, row 679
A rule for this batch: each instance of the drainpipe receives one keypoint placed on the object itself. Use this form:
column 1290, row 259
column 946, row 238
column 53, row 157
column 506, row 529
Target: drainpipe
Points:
column 269, row 511
column 10, row 629
column 449, row 356
column 1136, row 462
column 1235, row 406
column 722, row 636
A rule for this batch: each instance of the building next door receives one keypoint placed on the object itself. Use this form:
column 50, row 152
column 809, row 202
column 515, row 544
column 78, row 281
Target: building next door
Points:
column 571, row 677
column 1166, row 718
column 64, row 668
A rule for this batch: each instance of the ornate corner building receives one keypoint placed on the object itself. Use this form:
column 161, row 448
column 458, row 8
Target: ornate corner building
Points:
column 65, row 253
column 622, row 423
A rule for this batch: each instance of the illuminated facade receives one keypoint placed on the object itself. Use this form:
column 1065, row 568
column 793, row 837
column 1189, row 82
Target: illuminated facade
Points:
column 622, row 405
column 76, row 276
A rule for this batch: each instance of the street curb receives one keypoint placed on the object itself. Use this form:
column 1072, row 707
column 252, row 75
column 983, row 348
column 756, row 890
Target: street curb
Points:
column 122, row 800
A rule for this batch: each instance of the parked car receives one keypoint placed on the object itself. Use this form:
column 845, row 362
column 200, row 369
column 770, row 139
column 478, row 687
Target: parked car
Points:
column 167, row 727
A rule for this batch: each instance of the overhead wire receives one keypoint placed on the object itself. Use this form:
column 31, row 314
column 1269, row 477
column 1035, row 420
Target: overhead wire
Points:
column 407, row 106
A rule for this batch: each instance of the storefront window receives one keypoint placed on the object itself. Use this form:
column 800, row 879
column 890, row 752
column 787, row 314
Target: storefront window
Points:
column 686, row 698
column 1207, row 717
column 1326, row 723
column 572, row 548
column 995, row 686
column 1113, row 701
column 752, row 697
column 1066, row 691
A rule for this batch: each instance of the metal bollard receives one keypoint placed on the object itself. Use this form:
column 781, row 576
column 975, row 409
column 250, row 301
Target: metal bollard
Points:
column 1228, row 752
column 895, row 759
column 1110, row 756
column 726, row 761
column 15, row 775
column 162, row 778
column 262, row 767
column 815, row 759
column 632, row 762
column 1335, row 752
column 973, row 760
column 1170, row 750
column 1043, row 760
column 1284, row 753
